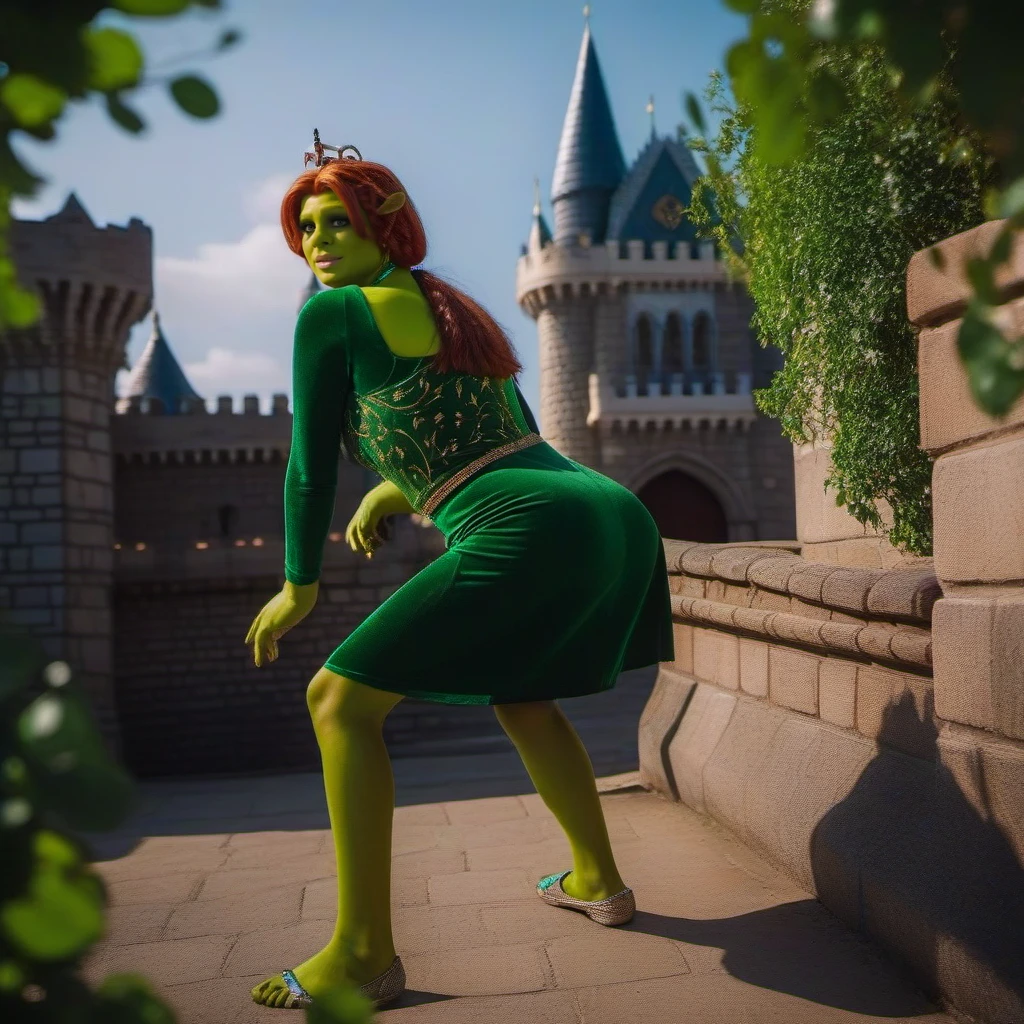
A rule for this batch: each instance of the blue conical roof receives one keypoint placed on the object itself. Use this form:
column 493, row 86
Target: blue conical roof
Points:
column 540, row 233
column 589, row 165
column 157, row 374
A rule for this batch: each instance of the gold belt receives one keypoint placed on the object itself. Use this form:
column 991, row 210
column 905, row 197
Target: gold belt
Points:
column 446, row 488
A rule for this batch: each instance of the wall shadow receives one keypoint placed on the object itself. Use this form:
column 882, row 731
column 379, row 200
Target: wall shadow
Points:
column 907, row 859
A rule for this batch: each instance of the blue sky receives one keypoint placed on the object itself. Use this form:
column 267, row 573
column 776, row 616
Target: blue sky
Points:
column 464, row 101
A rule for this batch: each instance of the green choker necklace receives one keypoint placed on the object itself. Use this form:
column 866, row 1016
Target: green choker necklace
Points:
column 388, row 267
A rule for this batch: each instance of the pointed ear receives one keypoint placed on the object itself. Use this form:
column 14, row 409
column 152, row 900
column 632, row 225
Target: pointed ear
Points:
column 392, row 204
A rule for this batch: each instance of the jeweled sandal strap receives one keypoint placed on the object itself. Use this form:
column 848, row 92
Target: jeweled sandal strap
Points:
column 299, row 996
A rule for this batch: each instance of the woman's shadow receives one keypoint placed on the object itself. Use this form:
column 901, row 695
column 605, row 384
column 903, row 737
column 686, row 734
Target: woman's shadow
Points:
column 906, row 859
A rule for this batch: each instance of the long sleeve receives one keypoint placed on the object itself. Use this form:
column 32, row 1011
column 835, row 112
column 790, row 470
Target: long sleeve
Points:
column 320, row 382
column 527, row 414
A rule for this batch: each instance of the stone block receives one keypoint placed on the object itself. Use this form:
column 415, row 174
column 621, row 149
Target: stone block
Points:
column 45, row 557
column 39, row 460
column 707, row 717
column 716, row 657
column 934, row 294
column 906, row 592
column 793, row 679
column 896, row 709
column 773, row 573
column 979, row 513
column 837, row 692
column 949, row 413
column 754, row 667
column 978, row 651
column 682, row 636
column 658, row 722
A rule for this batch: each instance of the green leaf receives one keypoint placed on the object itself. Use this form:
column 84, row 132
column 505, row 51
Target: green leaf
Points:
column 31, row 100
column 996, row 383
column 195, row 96
column 123, row 114
column 130, row 999
column 1011, row 200
column 151, row 8
column 21, row 657
column 694, row 111
column 743, row 6
column 115, row 60
column 61, row 914
column 981, row 274
column 936, row 258
column 70, row 766
column 14, row 175
column 342, row 1005
column 18, row 308
column 229, row 38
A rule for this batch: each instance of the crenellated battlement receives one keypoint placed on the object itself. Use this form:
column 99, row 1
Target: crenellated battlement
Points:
column 143, row 432
column 94, row 282
column 557, row 271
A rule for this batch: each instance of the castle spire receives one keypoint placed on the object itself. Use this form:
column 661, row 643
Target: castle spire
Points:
column 312, row 287
column 158, row 374
column 540, row 233
column 589, row 165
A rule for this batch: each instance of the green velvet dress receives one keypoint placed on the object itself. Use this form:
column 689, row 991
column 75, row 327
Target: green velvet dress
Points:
column 554, row 578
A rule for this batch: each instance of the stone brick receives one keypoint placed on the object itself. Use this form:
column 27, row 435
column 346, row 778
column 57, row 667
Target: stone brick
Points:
column 46, row 557
column 837, row 692
column 754, row 667
column 41, row 533
column 793, row 679
column 949, row 413
column 39, row 460
column 716, row 657
column 979, row 513
column 682, row 634
column 896, row 709
column 707, row 717
column 978, row 651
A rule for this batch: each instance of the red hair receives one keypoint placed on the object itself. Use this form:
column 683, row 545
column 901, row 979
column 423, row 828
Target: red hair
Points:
column 472, row 341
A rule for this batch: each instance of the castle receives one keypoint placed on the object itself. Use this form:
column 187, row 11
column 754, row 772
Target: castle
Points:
column 139, row 536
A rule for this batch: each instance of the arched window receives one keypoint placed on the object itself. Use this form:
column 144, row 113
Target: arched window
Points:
column 643, row 362
column 672, row 355
column 702, row 342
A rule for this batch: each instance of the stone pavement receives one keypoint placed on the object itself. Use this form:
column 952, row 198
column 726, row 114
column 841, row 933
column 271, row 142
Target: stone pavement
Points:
column 235, row 880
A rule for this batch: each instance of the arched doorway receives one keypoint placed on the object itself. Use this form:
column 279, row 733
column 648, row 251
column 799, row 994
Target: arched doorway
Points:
column 684, row 508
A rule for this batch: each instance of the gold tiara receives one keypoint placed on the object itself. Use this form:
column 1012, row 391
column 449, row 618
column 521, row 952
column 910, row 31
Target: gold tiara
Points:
column 319, row 155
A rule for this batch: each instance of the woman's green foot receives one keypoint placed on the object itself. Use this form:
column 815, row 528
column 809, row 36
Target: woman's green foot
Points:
column 590, row 892
column 320, row 973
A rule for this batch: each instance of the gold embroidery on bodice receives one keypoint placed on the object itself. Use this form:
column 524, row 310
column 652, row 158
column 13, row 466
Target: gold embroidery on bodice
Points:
column 417, row 432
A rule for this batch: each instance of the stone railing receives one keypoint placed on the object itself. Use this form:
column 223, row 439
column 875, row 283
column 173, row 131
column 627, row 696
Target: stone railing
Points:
column 863, row 727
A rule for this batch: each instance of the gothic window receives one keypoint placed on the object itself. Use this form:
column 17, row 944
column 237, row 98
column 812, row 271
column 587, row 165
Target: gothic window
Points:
column 672, row 356
column 643, row 361
column 701, row 354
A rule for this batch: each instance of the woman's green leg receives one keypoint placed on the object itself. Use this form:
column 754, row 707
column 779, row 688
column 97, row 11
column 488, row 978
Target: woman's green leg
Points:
column 560, row 768
column 348, row 718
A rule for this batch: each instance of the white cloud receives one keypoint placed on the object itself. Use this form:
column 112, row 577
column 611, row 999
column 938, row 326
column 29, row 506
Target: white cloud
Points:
column 263, row 202
column 236, row 372
column 256, row 272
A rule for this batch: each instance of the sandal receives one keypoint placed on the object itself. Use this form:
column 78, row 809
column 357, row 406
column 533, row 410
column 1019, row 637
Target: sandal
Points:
column 614, row 910
column 385, row 988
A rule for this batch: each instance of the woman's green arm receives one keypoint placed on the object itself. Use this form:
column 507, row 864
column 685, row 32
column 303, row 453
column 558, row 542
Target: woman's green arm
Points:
column 389, row 499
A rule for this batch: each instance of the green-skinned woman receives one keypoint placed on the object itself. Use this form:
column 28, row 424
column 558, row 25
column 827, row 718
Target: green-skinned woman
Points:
column 552, row 583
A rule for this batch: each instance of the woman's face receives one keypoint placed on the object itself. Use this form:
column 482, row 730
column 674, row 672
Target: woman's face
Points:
column 337, row 255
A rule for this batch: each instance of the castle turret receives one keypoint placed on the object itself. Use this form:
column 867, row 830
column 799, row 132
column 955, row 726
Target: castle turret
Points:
column 589, row 165
column 56, row 386
column 158, row 375
column 540, row 233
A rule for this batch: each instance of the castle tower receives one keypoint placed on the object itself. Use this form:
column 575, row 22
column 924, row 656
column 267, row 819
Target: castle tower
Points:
column 56, row 388
column 647, row 360
column 158, row 376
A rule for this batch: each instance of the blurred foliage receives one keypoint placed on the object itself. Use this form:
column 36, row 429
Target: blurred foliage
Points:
column 823, row 242
column 53, row 53
column 57, row 780
column 784, row 77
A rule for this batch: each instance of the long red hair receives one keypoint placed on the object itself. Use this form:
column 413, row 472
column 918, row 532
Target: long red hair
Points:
column 472, row 341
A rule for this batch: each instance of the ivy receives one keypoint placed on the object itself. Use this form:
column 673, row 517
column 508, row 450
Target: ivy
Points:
column 823, row 241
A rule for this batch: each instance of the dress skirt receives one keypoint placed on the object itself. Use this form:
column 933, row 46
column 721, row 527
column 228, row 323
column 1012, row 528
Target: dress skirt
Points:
column 553, row 582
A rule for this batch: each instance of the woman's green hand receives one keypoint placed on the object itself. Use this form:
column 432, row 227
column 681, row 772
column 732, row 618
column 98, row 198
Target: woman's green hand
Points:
column 362, row 533
column 277, row 616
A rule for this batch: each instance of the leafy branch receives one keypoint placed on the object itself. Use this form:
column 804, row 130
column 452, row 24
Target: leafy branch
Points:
column 782, row 74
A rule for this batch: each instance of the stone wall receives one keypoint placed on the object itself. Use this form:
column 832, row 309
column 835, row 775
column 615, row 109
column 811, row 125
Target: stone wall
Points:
column 863, row 727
